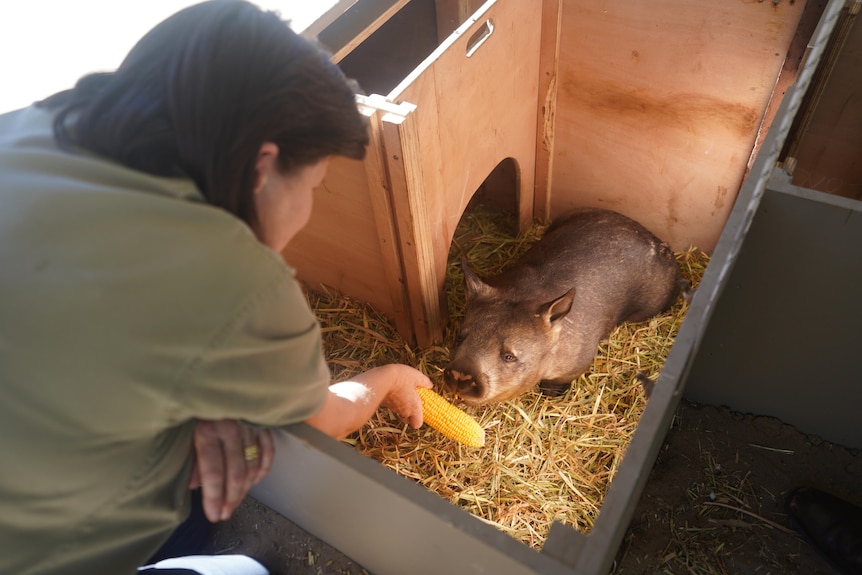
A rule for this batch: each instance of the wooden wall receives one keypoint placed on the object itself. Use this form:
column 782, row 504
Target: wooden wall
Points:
column 349, row 244
column 657, row 107
column 649, row 108
column 474, row 110
column 828, row 156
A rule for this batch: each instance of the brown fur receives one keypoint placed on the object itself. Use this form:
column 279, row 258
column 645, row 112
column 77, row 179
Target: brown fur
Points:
column 541, row 320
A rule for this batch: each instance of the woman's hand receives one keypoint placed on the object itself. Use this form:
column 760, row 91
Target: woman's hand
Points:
column 350, row 404
column 402, row 397
column 230, row 457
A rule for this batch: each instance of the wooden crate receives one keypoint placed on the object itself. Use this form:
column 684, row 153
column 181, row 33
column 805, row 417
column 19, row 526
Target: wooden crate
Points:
column 650, row 109
column 381, row 229
column 390, row 524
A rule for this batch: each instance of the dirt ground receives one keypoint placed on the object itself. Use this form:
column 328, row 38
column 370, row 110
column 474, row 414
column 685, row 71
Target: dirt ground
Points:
column 713, row 504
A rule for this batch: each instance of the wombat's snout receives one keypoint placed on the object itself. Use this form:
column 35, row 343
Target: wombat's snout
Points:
column 464, row 384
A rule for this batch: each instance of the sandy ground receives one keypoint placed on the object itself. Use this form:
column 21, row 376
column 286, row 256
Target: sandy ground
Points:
column 714, row 504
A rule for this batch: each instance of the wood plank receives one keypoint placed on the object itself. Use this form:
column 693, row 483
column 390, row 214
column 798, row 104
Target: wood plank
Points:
column 452, row 13
column 378, row 19
column 387, row 236
column 549, row 58
column 827, row 157
column 659, row 105
column 340, row 246
column 796, row 55
column 406, row 182
column 485, row 110
column 472, row 113
column 396, row 48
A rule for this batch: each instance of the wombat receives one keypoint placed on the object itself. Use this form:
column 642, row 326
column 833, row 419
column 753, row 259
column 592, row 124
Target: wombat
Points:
column 541, row 320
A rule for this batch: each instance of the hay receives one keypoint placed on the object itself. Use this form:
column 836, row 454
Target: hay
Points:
column 545, row 459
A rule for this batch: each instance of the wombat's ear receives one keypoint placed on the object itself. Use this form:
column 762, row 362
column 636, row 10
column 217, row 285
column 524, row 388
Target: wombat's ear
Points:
column 474, row 286
column 558, row 308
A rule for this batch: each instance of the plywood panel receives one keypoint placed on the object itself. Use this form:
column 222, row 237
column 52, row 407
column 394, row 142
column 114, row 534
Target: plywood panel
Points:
column 472, row 113
column 393, row 51
column 487, row 107
column 659, row 105
column 797, row 55
column 407, row 187
column 341, row 245
column 452, row 13
column 546, row 105
column 828, row 156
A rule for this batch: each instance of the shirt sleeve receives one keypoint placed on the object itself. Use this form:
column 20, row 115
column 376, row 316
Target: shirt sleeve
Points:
column 267, row 366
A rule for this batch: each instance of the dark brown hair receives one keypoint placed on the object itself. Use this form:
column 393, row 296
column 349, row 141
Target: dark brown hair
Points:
column 200, row 93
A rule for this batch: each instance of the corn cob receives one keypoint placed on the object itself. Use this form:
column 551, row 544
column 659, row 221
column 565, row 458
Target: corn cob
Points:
column 449, row 420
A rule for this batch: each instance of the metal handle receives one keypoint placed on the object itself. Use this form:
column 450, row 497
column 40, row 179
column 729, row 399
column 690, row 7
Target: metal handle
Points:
column 479, row 36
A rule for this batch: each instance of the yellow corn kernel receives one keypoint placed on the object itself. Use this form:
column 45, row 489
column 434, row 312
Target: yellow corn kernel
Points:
column 449, row 420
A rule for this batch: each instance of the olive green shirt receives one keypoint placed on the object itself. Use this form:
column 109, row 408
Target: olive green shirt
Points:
column 128, row 308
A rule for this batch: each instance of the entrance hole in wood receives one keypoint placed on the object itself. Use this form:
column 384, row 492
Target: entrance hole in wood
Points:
column 499, row 192
column 495, row 204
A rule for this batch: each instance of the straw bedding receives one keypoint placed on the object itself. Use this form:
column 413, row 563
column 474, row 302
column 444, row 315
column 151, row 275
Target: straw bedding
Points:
column 545, row 458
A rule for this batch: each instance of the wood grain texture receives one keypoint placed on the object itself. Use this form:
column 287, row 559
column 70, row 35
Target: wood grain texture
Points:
column 452, row 13
column 427, row 309
column 387, row 234
column 472, row 113
column 547, row 105
column 368, row 30
column 659, row 105
column 341, row 246
column 828, row 157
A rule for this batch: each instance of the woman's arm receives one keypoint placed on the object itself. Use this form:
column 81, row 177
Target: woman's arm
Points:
column 351, row 403
column 226, row 472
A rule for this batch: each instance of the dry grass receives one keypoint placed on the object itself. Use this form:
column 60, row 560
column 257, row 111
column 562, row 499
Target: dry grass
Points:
column 545, row 459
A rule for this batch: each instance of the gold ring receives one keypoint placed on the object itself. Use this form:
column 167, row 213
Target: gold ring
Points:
column 251, row 452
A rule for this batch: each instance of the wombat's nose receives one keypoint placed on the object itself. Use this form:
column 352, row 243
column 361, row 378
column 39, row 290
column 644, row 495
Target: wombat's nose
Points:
column 449, row 377
column 462, row 383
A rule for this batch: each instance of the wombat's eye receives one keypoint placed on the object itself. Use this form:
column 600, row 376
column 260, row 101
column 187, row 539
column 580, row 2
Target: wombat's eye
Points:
column 509, row 357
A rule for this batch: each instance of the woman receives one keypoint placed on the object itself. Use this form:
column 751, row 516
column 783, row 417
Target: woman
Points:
column 149, row 330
